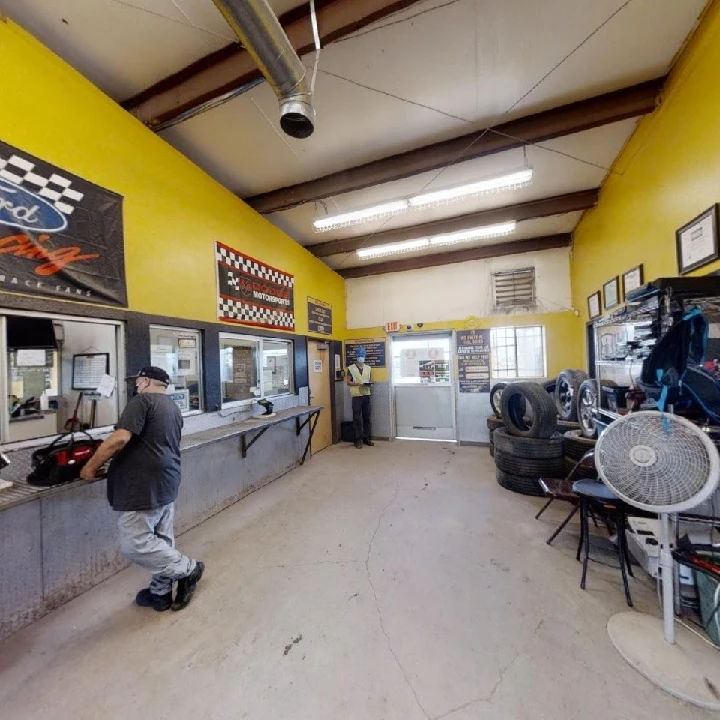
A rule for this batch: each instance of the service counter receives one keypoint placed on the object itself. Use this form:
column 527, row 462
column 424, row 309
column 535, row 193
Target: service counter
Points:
column 58, row 542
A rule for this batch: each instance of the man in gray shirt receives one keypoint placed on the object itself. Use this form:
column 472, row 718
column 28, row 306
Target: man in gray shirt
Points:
column 142, row 486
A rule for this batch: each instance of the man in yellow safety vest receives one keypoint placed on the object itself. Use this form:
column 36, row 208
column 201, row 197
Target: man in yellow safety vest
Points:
column 359, row 382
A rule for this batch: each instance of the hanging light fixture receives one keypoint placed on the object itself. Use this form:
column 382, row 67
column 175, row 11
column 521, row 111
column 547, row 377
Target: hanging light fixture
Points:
column 481, row 233
column 392, row 248
column 509, row 181
column 484, row 233
column 360, row 216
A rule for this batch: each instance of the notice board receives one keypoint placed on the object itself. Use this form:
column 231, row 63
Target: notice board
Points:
column 473, row 349
column 319, row 317
column 375, row 352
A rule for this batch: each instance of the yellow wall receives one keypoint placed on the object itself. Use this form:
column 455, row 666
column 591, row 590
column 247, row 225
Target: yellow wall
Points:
column 668, row 173
column 562, row 347
column 173, row 212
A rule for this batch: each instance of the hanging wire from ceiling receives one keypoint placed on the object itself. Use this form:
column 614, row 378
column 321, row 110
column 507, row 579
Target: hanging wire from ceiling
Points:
column 482, row 134
column 189, row 24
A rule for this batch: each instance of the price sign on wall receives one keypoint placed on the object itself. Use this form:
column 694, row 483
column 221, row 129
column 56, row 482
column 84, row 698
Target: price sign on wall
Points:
column 375, row 349
column 319, row 317
column 473, row 348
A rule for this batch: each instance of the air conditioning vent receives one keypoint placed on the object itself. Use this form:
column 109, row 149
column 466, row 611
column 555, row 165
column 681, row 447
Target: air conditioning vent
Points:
column 514, row 289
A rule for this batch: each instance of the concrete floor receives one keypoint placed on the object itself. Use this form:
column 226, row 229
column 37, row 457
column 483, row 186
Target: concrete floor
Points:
column 398, row 582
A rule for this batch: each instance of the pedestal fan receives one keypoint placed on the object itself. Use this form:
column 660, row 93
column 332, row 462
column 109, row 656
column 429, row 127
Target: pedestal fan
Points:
column 663, row 464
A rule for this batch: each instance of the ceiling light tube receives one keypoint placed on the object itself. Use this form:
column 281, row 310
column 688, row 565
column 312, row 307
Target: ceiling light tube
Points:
column 392, row 248
column 359, row 216
column 488, row 231
column 514, row 180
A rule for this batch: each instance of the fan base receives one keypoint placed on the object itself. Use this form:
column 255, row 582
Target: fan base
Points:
column 689, row 670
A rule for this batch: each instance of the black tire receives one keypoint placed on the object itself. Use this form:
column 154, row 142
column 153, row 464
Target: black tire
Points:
column 549, row 386
column 564, row 426
column 514, row 402
column 493, row 423
column 576, row 444
column 586, row 401
column 521, row 485
column 492, row 451
column 568, row 384
column 581, row 473
column 530, row 467
column 495, row 396
column 531, row 448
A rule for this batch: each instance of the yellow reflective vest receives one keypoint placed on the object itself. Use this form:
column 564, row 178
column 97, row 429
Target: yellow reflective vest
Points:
column 359, row 376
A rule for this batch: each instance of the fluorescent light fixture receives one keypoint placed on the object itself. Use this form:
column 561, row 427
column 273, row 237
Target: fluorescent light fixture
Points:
column 392, row 248
column 360, row 216
column 513, row 180
column 489, row 231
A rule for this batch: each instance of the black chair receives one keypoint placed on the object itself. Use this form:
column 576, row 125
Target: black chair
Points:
column 562, row 489
column 595, row 498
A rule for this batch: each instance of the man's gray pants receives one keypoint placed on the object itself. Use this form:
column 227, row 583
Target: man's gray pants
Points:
column 147, row 539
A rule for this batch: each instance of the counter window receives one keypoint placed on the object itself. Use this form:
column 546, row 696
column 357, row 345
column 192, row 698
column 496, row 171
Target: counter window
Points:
column 518, row 352
column 53, row 370
column 254, row 367
column 178, row 352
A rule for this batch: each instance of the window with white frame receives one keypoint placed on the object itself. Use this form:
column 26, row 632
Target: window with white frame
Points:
column 52, row 368
column 252, row 367
column 179, row 352
column 518, row 352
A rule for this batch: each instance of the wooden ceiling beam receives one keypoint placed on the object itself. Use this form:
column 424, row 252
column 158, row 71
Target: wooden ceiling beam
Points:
column 564, row 120
column 558, row 205
column 515, row 247
column 230, row 71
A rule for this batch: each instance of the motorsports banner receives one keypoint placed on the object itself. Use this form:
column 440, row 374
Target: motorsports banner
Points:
column 473, row 349
column 60, row 236
column 252, row 293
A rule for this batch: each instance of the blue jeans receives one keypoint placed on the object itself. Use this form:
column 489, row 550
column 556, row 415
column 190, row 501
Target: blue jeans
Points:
column 147, row 539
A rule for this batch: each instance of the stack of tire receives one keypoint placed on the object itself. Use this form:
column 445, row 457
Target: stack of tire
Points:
column 494, row 422
column 528, row 447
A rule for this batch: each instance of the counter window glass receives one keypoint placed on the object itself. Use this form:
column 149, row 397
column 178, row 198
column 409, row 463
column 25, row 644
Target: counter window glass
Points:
column 178, row 352
column 53, row 371
column 254, row 367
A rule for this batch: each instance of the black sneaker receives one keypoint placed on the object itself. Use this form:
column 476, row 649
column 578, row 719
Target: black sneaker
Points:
column 369, row 443
column 186, row 587
column 157, row 602
column 358, row 444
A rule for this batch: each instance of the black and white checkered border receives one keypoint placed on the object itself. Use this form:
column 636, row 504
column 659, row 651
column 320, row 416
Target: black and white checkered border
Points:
column 56, row 188
column 245, row 312
column 253, row 267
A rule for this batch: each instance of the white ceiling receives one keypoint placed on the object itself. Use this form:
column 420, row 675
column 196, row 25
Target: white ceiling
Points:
column 482, row 61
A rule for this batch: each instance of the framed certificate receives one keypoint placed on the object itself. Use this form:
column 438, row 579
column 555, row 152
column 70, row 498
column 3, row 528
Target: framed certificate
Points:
column 632, row 280
column 697, row 242
column 611, row 293
column 594, row 305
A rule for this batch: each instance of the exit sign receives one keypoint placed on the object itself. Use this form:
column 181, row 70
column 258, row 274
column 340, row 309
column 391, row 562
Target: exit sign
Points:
column 392, row 327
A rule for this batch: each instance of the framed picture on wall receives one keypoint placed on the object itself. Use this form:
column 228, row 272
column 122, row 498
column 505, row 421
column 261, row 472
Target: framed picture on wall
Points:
column 697, row 242
column 594, row 305
column 611, row 293
column 632, row 280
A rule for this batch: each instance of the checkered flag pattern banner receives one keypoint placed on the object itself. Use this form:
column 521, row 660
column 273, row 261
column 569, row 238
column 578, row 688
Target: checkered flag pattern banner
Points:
column 253, row 315
column 55, row 188
column 253, row 267
column 252, row 293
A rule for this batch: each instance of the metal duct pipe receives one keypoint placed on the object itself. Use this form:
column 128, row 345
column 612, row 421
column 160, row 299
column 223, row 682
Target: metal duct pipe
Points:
column 262, row 36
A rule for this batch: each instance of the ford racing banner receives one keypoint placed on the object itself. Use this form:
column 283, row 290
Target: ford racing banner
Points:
column 60, row 236
column 252, row 293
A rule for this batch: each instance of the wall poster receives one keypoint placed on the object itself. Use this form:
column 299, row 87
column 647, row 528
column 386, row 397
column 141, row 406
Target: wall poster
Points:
column 252, row 293
column 319, row 317
column 473, row 348
column 375, row 352
column 60, row 236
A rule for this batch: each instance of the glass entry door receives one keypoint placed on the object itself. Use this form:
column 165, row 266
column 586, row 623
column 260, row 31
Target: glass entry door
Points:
column 422, row 376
